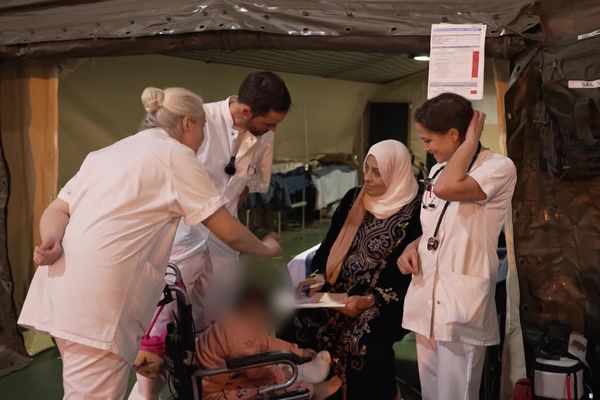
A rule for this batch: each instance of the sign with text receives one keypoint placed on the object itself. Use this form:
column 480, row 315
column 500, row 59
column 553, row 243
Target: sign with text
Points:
column 456, row 60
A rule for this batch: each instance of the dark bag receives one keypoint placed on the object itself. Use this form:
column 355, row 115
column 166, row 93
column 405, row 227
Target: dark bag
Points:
column 571, row 100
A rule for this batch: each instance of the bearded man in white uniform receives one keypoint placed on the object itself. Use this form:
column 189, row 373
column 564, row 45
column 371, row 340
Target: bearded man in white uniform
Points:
column 237, row 152
column 450, row 302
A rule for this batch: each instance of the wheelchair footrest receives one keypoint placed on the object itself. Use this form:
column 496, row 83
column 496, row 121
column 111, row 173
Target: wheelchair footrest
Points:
column 301, row 394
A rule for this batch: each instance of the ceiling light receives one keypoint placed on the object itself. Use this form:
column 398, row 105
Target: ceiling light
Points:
column 421, row 58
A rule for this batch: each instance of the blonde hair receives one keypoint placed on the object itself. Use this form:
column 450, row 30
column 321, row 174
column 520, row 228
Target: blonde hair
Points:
column 166, row 108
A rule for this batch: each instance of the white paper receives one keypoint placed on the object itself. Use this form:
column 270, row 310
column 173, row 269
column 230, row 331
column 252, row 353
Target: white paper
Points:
column 584, row 84
column 456, row 62
column 322, row 300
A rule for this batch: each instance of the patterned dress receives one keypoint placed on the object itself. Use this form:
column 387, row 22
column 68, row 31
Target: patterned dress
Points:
column 362, row 347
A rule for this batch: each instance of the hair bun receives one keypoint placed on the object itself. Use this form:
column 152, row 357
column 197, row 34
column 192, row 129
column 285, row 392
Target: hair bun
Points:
column 152, row 98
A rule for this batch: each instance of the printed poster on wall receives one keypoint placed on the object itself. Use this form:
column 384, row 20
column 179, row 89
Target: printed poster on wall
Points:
column 456, row 60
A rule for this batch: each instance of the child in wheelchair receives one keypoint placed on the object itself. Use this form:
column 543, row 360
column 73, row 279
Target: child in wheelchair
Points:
column 245, row 332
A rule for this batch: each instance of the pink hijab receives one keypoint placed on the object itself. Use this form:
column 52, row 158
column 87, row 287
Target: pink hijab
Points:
column 395, row 166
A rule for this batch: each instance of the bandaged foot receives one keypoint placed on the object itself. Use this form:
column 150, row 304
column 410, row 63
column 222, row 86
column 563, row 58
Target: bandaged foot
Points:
column 148, row 364
column 317, row 370
column 324, row 390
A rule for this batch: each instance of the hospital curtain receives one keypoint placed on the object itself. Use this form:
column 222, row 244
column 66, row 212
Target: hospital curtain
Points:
column 29, row 132
column 513, row 356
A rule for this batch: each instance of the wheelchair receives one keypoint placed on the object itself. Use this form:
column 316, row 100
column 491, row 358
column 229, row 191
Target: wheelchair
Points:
column 183, row 372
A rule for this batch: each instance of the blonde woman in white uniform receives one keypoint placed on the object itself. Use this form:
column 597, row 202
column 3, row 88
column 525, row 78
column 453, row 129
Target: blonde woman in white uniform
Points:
column 237, row 153
column 450, row 301
column 106, row 240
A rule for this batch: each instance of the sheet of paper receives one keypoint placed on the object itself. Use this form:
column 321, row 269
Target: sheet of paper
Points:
column 456, row 62
column 322, row 300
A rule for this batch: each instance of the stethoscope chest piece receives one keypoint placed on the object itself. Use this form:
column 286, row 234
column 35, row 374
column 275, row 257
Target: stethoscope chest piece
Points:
column 230, row 167
column 432, row 244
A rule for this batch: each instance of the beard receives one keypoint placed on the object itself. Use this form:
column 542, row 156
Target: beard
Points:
column 257, row 132
column 254, row 130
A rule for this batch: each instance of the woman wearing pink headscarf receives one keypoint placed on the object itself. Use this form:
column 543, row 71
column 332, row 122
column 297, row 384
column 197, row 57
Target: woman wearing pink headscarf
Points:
column 369, row 230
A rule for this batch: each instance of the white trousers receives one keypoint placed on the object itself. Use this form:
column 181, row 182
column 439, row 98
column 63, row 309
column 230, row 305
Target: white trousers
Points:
column 92, row 374
column 449, row 370
column 147, row 388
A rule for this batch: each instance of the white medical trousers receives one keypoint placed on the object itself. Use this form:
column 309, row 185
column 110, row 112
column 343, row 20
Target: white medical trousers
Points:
column 92, row 374
column 449, row 370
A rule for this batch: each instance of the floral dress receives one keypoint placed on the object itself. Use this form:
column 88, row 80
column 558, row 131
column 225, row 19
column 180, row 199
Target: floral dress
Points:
column 362, row 347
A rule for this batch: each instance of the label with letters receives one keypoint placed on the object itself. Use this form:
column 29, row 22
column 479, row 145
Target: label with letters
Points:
column 588, row 35
column 584, row 84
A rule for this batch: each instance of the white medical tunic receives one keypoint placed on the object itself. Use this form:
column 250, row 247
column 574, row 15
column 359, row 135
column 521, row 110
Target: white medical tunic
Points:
column 452, row 299
column 253, row 159
column 125, row 203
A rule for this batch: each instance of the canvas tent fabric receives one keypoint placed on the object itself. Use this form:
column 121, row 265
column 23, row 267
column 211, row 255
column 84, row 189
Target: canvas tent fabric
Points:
column 556, row 221
column 35, row 21
column 29, row 133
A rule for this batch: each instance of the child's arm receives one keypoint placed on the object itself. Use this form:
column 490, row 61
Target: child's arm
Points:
column 265, row 344
column 268, row 343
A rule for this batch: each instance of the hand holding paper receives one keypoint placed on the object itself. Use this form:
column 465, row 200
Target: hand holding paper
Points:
column 310, row 286
column 355, row 305
column 322, row 300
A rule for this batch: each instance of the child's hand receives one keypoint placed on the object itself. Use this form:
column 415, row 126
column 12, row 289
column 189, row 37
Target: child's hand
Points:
column 148, row 364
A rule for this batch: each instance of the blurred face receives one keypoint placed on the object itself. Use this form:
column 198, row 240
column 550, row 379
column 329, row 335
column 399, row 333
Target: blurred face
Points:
column 192, row 132
column 259, row 125
column 373, row 182
column 259, row 314
column 440, row 145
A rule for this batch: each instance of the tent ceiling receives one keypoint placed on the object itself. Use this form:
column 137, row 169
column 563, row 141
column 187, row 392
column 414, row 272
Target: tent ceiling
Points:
column 351, row 66
column 34, row 21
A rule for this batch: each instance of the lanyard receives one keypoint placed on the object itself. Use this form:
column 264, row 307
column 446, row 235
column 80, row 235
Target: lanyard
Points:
column 433, row 243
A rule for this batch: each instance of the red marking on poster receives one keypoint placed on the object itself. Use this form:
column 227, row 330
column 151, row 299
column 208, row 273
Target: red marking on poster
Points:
column 475, row 68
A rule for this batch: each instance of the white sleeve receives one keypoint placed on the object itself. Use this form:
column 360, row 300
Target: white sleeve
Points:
column 67, row 190
column 259, row 183
column 495, row 176
column 196, row 197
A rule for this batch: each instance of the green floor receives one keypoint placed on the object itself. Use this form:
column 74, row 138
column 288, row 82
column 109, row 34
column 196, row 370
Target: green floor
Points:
column 41, row 380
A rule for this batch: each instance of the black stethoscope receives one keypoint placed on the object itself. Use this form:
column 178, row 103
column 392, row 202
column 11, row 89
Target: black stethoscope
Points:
column 433, row 243
column 230, row 167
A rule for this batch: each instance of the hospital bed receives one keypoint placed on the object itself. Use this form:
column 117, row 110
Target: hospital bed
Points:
column 184, row 374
